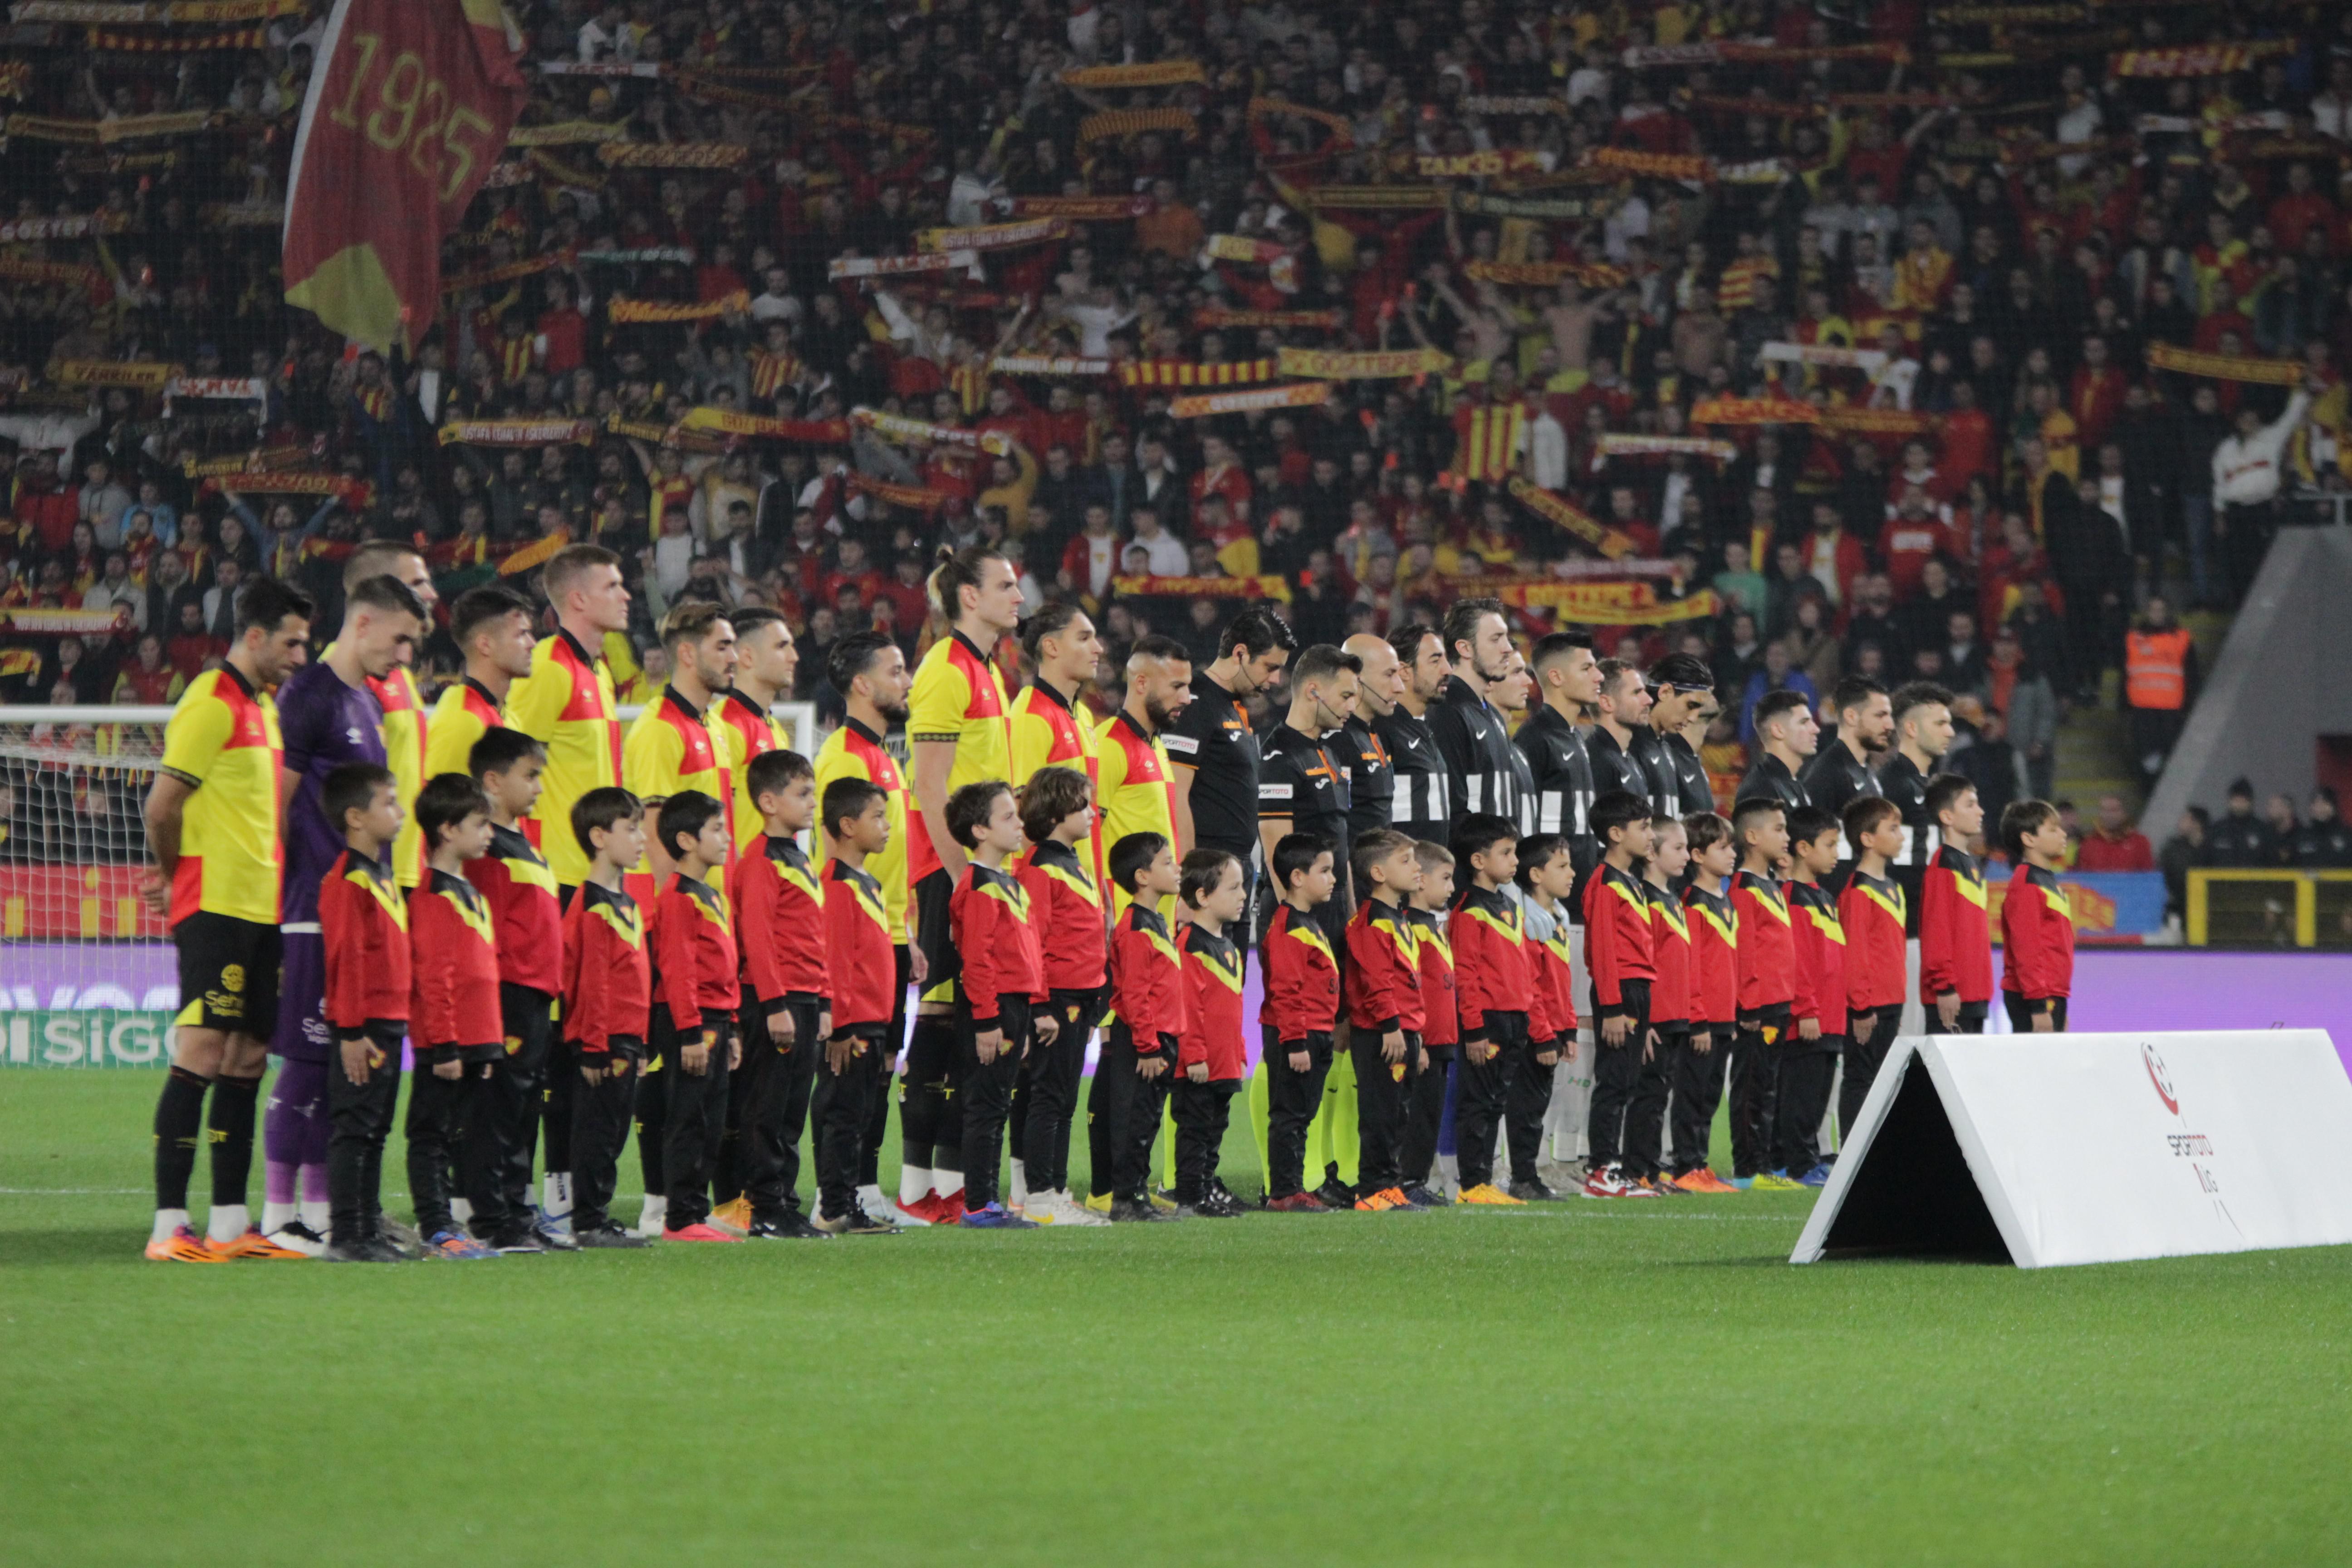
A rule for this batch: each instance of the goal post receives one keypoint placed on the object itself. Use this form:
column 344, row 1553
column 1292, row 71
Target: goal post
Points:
column 87, row 975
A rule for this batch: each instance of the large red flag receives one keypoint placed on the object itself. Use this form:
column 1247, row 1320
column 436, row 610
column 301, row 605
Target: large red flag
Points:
column 410, row 104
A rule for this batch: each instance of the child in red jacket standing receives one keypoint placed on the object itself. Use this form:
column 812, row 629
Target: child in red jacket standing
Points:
column 1546, row 881
column 1768, row 985
column 1441, row 1025
column 1817, row 1012
column 2037, row 923
column 1213, row 895
column 1715, row 999
column 1617, row 950
column 1671, row 1005
column 608, row 986
column 456, row 1027
column 1954, row 927
column 1872, row 909
column 1384, row 1010
column 862, row 971
column 1057, row 814
column 364, row 925
column 1496, row 975
column 697, row 989
column 1302, row 1002
column 1000, row 994
column 1147, row 1003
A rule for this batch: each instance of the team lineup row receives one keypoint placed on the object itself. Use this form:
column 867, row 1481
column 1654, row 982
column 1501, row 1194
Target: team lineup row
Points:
column 748, row 1032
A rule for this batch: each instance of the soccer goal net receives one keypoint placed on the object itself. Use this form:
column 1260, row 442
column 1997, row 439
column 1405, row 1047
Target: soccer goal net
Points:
column 87, row 975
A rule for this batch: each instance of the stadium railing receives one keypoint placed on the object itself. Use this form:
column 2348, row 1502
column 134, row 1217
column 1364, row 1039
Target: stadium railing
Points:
column 2261, row 908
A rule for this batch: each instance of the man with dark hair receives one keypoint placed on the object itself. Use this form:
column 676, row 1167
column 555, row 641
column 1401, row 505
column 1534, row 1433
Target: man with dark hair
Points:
column 1214, row 751
column 1839, row 773
column 1620, row 715
column 1681, row 686
column 1786, row 727
column 492, row 627
column 1303, row 787
column 1419, row 806
column 1568, row 679
column 1470, row 732
column 1923, row 733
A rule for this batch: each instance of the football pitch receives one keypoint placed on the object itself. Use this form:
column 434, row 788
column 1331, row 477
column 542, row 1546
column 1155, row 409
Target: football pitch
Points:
column 1582, row 1383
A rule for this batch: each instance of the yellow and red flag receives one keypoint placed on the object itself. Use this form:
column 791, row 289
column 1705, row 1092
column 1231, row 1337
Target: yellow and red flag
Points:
column 410, row 104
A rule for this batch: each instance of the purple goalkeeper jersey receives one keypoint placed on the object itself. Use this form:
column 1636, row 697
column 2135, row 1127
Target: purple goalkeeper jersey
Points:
column 326, row 724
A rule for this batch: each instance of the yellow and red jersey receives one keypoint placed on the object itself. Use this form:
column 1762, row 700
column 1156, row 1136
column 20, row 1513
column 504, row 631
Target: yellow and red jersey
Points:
column 673, row 748
column 1048, row 732
column 1137, row 791
column 855, row 751
column 958, row 695
column 223, row 743
column 566, row 704
column 752, row 731
column 404, row 734
column 465, row 713
column 1488, row 440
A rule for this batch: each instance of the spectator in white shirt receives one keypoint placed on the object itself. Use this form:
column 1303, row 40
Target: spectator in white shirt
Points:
column 1164, row 555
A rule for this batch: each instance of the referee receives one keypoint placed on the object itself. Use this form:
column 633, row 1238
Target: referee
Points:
column 1303, row 787
column 1481, row 773
column 1371, row 778
column 1419, row 803
column 1213, row 751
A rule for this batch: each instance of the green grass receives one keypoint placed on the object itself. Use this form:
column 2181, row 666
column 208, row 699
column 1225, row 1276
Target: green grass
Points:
column 1579, row 1383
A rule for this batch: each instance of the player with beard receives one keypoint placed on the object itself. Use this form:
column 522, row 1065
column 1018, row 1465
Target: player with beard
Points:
column 1419, row 803
column 1839, row 773
column 870, row 673
column 1372, row 777
column 959, row 731
column 1620, row 716
column 1481, row 772
column 331, row 716
column 1786, row 733
column 1217, row 751
column 1923, row 733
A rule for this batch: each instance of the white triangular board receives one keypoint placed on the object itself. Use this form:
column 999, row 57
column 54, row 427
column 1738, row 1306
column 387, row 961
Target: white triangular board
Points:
column 2095, row 1148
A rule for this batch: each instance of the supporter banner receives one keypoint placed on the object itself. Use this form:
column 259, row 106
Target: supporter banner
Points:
column 80, row 226
column 1134, row 122
column 1205, row 587
column 139, row 376
column 2279, row 148
column 2196, row 59
column 526, row 268
column 992, row 236
column 727, row 422
column 1047, row 364
column 96, row 14
column 1619, row 446
column 644, row 256
column 913, row 497
column 1478, row 165
column 601, row 68
column 641, row 312
column 242, row 388
column 107, row 132
column 243, row 214
column 67, row 274
column 1756, row 172
column 536, row 553
column 1655, row 165
column 1305, row 395
column 1240, row 247
column 1219, row 316
column 1543, row 274
column 1342, row 129
column 1085, row 209
column 1754, row 411
column 2226, row 367
column 1764, row 108
column 1328, row 365
column 2012, row 15
column 842, row 267
column 2092, row 1148
column 1490, row 103
column 353, row 493
column 1649, row 55
column 1186, row 372
column 1376, row 198
column 2111, row 908
column 1608, row 604
column 256, row 462
column 174, row 44
column 1543, row 503
column 1831, row 356
column 1891, row 100
column 1157, row 73
column 893, row 428
column 31, row 619
column 1854, row 421
column 367, row 213
column 566, row 133
column 1543, row 209
column 517, row 432
column 674, row 154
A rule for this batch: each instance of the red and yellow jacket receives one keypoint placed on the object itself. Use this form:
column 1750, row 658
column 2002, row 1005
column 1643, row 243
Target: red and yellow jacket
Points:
column 750, row 729
column 695, row 961
column 607, row 972
column 780, row 923
column 1495, row 966
column 1553, row 1017
column 1213, row 998
column 1440, row 1012
column 1818, row 938
column 1065, row 903
column 857, row 949
column 1147, row 977
column 520, row 890
column 1674, row 999
column 363, row 922
column 1955, row 931
column 997, row 935
column 1871, row 910
column 1302, row 979
column 465, row 712
column 404, row 736
column 2037, row 936
column 958, row 695
column 1047, row 733
column 672, row 749
column 566, row 703
column 1616, row 938
column 1715, row 958
column 1767, row 953
column 1384, row 970
column 454, row 957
